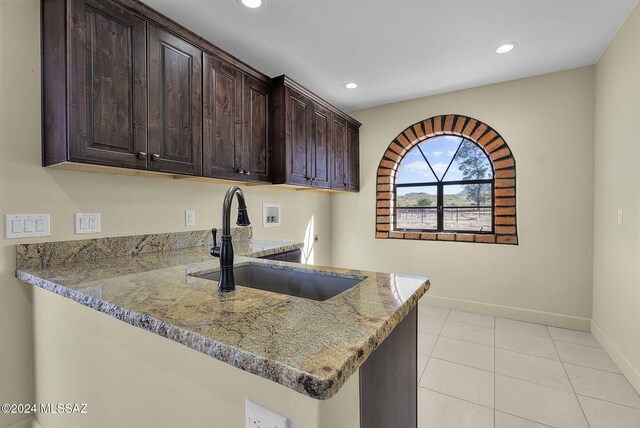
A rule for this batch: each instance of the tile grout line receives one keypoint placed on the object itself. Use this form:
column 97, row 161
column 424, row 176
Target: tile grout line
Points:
column 570, row 383
column 526, row 419
column 508, row 350
column 579, row 344
column 475, row 343
column 504, row 349
column 531, row 355
column 442, row 328
column 430, row 356
column 610, row 402
column 457, row 398
column 533, row 383
column 594, row 368
column 422, row 372
column 466, row 341
column 460, row 364
column 470, row 323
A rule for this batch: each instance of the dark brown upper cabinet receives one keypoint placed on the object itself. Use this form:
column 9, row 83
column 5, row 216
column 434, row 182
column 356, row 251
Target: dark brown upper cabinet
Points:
column 126, row 87
column 291, row 114
column 235, row 124
column 257, row 149
column 314, row 144
column 339, row 149
column 352, row 169
column 134, row 96
column 222, row 148
column 345, row 173
column 107, row 87
column 175, row 104
column 319, row 162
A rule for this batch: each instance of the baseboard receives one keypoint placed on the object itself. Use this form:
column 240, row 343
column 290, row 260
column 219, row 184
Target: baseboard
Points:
column 29, row 422
column 521, row 314
column 631, row 373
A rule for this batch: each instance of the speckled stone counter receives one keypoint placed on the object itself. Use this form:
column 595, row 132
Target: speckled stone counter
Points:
column 309, row 346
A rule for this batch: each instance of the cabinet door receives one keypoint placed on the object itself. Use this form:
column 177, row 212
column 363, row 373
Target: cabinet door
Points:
column 352, row 167
column 299, row 111
column 175, row 104
column 338, row 152
column 256, row 141
column 222, row 147
column 107, row 85
column 320, row 148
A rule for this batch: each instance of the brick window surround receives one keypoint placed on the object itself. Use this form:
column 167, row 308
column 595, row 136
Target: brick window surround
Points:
column 503, row 163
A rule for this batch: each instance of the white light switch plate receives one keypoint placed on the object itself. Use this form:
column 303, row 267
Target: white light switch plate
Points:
column 26, row 225
column 189, row 218
column 87, row 223
column 261, row 417
column 620, row 217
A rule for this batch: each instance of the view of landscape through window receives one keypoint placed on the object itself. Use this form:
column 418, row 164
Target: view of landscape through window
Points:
column 445, row 184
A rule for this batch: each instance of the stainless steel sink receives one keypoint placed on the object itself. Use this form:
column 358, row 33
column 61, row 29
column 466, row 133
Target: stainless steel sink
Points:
column 310, row 285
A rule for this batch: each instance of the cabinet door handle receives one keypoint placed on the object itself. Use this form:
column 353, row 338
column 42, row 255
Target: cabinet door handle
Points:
column 246, row 172
column 155, row 157
column 141, row 155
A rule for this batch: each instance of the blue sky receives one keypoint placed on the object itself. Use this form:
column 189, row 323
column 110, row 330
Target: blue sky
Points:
column 439, row 151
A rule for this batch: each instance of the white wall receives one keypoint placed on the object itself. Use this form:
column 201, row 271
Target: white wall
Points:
column 616, row 267
column 547, row 121
column 129, row 205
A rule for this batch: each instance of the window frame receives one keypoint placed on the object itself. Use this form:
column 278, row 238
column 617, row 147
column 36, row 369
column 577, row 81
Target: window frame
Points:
column 440, row 208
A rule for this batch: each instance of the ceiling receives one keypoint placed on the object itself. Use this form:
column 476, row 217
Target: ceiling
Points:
column 402, row 49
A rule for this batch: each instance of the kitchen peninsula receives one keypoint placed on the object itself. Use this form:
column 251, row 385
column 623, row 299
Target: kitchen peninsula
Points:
column 314, row 348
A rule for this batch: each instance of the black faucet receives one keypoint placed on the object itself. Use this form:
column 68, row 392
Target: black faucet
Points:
column 225, row 250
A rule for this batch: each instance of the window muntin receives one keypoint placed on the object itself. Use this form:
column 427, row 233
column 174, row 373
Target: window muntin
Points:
column 445, row 184
column 414, row 169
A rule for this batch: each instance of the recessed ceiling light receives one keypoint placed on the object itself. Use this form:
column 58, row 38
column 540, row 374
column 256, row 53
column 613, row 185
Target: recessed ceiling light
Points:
column 251, row 3
column 351, row 85
column 507, row 47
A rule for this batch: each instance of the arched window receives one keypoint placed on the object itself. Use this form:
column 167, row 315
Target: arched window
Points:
column 449, row 178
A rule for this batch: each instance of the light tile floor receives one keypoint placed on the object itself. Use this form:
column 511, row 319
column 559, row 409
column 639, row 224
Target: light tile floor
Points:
column 481, row 371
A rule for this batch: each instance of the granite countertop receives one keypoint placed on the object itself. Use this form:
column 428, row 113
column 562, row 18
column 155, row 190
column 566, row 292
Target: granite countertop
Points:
column 309, row 346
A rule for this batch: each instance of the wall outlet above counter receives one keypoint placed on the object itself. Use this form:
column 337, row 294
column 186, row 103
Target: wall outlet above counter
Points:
column 87, row 223
column 271, row 215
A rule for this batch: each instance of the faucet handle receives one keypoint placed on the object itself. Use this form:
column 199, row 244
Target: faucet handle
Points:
column 215, row 250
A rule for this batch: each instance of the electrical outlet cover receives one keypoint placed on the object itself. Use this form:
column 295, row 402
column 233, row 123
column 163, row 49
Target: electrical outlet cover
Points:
column 261, row 417
column 87, row 223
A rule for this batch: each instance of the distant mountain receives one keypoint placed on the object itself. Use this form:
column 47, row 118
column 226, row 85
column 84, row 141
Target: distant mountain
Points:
column 422, row 199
